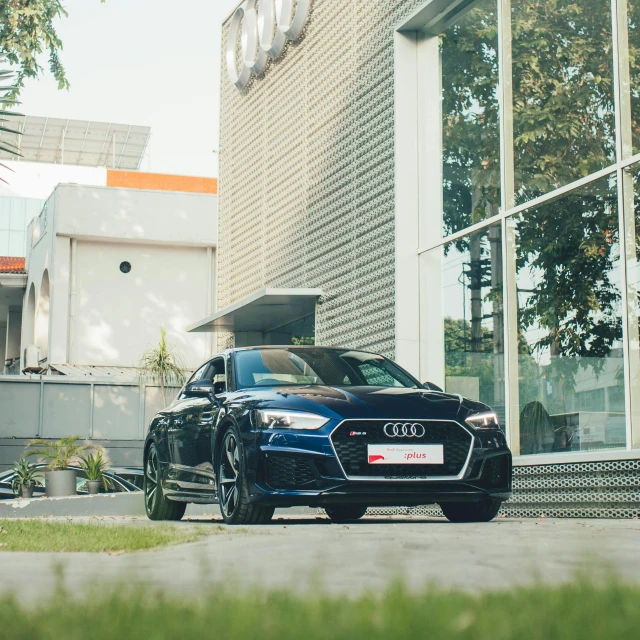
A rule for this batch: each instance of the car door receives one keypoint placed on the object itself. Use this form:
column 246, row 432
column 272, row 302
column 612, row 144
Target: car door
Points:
column 191, row 428
column 182, row 448
column 207, row 414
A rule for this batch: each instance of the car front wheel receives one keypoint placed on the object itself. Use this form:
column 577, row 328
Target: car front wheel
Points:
column 155, row 502
column 471, row 511
column 233, row 491
column 345, row 513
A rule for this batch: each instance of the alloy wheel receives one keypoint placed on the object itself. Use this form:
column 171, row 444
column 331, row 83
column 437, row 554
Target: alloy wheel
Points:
column 152, row 480
column 229, row 475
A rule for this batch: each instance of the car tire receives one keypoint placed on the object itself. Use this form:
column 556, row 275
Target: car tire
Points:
column 156, row 504
column 233, row 489
column 345, row 513
column 471, row 511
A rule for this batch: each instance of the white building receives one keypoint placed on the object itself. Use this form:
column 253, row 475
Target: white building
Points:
column 107, row 267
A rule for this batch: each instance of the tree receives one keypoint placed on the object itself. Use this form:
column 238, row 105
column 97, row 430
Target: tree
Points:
column 162, row 365
column 27, row 30
column 6, row 103
column 563, row 123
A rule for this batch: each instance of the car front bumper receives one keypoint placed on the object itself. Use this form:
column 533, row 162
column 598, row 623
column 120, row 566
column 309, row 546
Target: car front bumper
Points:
column 287, row 470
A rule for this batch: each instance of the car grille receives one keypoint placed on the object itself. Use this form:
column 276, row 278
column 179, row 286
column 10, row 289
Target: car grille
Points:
column 496, row 473
column 289, row 472
column 352, row 449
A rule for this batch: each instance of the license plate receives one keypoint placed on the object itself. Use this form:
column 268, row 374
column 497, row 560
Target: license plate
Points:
column 405, row 454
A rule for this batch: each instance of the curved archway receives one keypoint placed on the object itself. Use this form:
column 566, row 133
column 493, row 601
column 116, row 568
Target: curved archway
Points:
column 30, row 326
column 42, row 317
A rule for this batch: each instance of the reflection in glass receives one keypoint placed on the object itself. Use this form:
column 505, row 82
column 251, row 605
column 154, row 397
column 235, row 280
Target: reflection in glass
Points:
column 631, row 177
column 471, row 133
column 473, row 318
column 631, row 66
column 568, row 278
column 563, row 104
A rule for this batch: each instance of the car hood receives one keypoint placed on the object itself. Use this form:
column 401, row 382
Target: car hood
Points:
column 361, row 402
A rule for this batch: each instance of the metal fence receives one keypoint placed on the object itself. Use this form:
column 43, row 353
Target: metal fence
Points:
column 58, row 406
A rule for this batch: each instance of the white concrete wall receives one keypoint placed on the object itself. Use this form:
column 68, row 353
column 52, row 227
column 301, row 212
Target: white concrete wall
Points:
column 117, row 316
column 137, row 214
column 40, row 256
column 111, row 318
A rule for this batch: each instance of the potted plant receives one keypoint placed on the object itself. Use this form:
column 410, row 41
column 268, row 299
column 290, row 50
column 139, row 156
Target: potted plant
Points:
column 95, row 466
column 162, row 365
column 60, row 480
column 25, row 479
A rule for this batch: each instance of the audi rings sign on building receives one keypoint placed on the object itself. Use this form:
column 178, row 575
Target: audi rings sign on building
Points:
column 404, row 430
column 264, row 27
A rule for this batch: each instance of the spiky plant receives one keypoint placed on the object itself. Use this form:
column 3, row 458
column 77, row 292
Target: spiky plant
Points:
column 94, row 465
column 26, row 475
column 58, row 455
column 6, row 87
column 162, row 365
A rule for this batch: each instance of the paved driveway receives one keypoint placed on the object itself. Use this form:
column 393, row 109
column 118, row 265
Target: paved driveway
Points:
column 305, row 552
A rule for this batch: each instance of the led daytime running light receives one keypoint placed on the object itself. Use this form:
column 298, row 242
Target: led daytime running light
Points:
column 484, row 420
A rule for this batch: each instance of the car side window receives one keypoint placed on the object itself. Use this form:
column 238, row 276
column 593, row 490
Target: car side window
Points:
column 377, row 376
column 218, row 376
column 198, row 374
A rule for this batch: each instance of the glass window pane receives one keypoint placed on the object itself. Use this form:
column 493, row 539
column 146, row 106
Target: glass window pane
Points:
column 5, row 212
column 631, row 74
column 16, row 244
column 571, row 366
column 563, row 105
column 631, row 177
column 473, row 318
column 471, row 131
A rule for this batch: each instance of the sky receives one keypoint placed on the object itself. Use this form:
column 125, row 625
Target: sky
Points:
column 143, row 62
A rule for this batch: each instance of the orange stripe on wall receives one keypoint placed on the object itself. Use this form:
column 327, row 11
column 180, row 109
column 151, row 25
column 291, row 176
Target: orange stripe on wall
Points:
column 160, row 182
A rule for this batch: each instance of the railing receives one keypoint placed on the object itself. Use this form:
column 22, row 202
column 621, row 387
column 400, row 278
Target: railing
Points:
column 58, row 406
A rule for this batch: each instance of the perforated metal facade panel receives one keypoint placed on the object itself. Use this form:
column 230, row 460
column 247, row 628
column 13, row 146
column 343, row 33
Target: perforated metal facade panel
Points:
column 306, row 173
column 581, row 490
column 306, row 199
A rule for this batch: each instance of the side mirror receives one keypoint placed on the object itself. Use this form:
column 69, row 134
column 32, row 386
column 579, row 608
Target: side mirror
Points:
column 199, row 389
column 431, row 386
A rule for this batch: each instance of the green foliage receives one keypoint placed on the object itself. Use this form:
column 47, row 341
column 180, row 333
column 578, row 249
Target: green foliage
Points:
column 43, row 536
column 27, row 30
column 564, row 129
column 26, row 475
column 6, row 88
column 60, row 454
column 578, row 611
column 162, row 365
column 94, row 465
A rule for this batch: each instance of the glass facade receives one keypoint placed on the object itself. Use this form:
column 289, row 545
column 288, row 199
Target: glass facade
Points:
column 562, row 104
column 539, row 308
column 470, row 119
column 473, row 317
column 570, row 375
column 15, row 216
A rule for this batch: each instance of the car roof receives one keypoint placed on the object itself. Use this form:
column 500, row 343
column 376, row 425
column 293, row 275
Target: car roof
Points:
column 301, row 347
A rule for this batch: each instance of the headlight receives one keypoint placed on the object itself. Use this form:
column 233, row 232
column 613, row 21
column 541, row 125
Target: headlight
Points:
column 275, row 419
column 485, row 420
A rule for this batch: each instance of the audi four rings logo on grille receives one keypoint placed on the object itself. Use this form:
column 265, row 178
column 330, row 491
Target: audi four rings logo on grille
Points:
column 404, row 430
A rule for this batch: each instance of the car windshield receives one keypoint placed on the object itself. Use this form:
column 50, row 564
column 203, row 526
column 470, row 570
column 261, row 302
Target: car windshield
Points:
column 334, row 367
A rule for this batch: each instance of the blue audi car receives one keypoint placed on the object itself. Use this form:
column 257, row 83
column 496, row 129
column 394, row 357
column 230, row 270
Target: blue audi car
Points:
column 264, row 427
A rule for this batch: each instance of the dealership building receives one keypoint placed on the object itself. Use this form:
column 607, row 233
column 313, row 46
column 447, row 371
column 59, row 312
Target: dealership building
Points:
column 451, row 184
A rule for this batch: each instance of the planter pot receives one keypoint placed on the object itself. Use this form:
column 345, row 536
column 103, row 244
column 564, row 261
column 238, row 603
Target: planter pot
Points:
column 26, row 491
column 60, row 483
column 94, row 487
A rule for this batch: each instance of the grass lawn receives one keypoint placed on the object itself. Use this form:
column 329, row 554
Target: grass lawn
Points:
column 39, row 535
column 573, row 612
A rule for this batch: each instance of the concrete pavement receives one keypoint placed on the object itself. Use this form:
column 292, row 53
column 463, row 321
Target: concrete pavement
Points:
column 305, row 552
